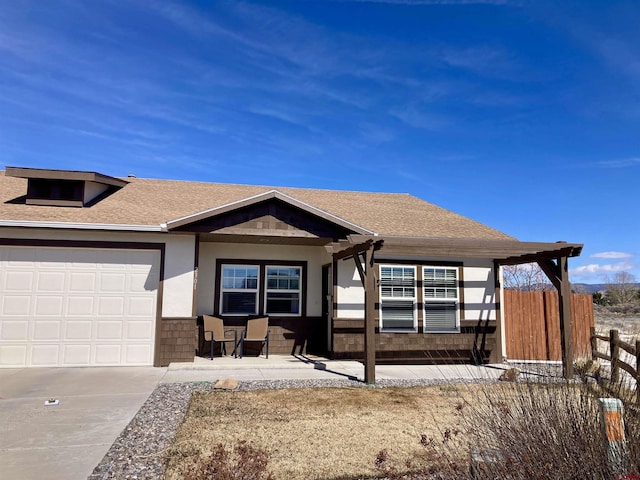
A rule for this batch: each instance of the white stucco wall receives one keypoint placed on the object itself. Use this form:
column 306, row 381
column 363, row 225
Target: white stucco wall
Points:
column 315, row 257
column 350, row 292
column 177, row 297
column 479, row 290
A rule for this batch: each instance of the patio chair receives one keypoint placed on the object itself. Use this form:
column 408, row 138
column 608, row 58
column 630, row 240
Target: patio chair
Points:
column 214, row 332
column 257, row 331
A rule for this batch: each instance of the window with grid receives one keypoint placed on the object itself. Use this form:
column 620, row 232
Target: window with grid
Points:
column 440, row 299
column 398, row 298
column 283, row 290
column 239, row 290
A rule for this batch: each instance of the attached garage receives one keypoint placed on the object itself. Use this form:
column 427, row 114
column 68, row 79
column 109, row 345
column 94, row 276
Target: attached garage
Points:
column 62, row 306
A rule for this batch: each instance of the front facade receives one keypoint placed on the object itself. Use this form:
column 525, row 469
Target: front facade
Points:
column 96, row 270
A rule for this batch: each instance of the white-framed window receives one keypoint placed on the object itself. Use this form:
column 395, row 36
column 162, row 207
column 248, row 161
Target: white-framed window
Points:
column 441, row 301
column 239, row 289
column 283, row 295
column 398, row 298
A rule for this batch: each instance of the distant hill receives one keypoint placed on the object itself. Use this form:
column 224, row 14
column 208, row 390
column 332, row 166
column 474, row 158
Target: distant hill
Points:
column 595, row 287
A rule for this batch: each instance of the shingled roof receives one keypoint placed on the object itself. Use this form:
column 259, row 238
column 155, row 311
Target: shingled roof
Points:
column 154, row 202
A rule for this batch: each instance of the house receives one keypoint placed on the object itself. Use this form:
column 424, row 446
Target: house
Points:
column 97, row 270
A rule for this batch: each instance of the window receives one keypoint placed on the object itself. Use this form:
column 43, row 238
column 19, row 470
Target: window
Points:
column 441, row 299
column 261, row 288
column 239, row 292
column 398, row 298
column 283, row 290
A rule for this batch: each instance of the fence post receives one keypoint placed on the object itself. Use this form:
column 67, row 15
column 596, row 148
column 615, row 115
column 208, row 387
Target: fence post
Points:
column 638, row 371
column 594, row 342
column 614, row 348
column 612, row 428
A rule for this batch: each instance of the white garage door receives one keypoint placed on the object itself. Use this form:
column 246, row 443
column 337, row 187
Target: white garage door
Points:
column 76, row 307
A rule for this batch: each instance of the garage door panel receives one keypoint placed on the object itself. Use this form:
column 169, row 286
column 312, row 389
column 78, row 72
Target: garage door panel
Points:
column 138, row 354
column 47, row 330
column 82, row 282
column 108, row 330
column 49, row 306
column 17, row 330
column 17, row 281
column 80, row 306
column 16, row 305
column 76, row 354
column 139, row 331
column 111, row 306
column 51, row 282
column 108, row 354
column 112, row 282
column 77, row 306
column 45, row 355
column 78, row 330
column 13, row 355
column 141, row 306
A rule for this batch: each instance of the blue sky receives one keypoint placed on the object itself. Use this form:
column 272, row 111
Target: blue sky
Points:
column 523, row 115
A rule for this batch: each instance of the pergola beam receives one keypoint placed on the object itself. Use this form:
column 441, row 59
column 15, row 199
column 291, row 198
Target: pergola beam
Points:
column 370, row 284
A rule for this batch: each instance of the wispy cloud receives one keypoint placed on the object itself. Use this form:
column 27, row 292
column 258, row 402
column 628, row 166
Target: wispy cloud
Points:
column 612, row 255
column 622, row 163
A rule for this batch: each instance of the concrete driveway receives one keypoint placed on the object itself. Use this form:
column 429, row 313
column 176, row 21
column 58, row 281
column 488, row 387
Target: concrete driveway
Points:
column 68, row 440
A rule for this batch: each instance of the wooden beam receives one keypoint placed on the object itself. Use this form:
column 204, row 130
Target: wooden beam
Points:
column 551, row 271
column 370, row 296
column 564, row 303
column 496, row 353
column 351, row 251
column 361, row 272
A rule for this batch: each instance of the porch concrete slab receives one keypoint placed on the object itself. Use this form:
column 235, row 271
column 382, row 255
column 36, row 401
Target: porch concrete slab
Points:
column 67, row 440
column 290, row 367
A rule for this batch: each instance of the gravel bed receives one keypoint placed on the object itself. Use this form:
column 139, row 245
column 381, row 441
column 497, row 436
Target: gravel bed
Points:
column 138, row 453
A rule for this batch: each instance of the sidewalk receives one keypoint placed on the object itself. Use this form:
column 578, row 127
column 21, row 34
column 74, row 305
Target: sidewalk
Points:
column 307, row 367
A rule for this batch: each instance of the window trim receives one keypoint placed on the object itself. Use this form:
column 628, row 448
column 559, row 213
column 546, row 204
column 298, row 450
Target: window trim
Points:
column 238, row 290
column 456, row 301
column 414, row 299
column 267, row 290
column 261, row 264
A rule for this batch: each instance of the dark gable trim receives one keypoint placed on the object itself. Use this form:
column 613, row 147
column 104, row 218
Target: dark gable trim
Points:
column 28, row 242
column 183, row 222
column 261, row 288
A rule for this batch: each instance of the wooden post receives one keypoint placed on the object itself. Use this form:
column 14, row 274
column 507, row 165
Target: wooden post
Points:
column 594, row 342
column 612, row 427
column 497, row 353
column 638, row 371
column 370, row 290
column 614, row 349
column 564, row 304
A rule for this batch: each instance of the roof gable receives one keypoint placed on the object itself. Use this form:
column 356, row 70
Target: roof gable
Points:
column 268, row 213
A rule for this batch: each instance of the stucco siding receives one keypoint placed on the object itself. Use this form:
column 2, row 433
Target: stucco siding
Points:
column 350, row 292
column 479, row 291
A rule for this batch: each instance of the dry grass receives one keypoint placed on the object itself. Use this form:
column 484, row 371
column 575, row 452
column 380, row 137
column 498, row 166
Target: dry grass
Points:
column 322, row 433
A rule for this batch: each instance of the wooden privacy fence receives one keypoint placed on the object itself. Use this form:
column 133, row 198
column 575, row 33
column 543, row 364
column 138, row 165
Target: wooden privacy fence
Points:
column 615, row 347
column 532, row 325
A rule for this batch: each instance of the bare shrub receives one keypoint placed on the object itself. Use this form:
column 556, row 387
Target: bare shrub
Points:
column 246, row 463
column 527, row 430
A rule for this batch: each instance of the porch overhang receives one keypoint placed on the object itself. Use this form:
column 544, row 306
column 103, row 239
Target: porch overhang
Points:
column 551, row 256
column 504, row 252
